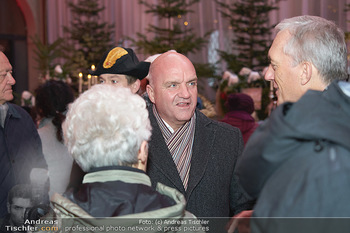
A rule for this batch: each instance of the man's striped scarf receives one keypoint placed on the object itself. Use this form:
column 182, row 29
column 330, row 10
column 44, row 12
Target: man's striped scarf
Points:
column 179, row 144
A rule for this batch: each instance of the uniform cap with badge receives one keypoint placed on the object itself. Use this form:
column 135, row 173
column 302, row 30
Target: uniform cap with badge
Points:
column 122, row 61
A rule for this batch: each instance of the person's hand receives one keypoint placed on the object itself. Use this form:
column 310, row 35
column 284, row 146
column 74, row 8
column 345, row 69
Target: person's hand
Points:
column 240, row 222
column 39, row 176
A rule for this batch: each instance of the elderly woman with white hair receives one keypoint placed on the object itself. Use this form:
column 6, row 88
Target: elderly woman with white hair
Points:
column 106, row 131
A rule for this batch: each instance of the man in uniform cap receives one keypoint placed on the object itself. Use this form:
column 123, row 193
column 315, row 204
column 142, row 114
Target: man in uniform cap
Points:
column 120, row 66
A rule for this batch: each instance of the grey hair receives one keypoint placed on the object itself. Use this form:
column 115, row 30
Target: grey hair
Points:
column 319, row 41
column 105, row 126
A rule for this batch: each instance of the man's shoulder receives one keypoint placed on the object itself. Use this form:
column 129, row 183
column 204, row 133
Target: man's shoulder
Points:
column 21, row 119
column 17, row 111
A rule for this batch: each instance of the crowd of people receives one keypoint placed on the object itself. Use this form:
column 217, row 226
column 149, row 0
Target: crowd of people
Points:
column 158, row 156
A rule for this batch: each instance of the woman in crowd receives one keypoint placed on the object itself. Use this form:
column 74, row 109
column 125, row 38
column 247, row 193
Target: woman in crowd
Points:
column 240, row 109
column 52, row 99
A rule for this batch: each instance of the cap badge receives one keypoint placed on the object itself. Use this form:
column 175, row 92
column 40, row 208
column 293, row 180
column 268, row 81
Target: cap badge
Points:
column 113, row 56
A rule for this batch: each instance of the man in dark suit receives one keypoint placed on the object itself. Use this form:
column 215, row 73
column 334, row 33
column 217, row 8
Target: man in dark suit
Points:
column 189, row 151
column 21, row 157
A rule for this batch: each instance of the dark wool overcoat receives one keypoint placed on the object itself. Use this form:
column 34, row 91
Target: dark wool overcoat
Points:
column 212, row 190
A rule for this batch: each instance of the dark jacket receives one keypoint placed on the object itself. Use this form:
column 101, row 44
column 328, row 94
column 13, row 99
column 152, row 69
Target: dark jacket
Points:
column 298, row 162
column 20, row 151
column 212, row 190
column 124, row 195
column 5, row 222
column 117, row 196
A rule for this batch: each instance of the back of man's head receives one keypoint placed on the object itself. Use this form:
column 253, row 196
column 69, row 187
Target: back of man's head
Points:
column 319, row 41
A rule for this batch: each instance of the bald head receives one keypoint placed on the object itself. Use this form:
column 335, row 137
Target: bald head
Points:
column 173, row 88
column 169, row 60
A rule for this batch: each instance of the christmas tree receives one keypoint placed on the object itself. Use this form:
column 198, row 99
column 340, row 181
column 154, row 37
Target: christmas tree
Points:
column 47, row 55
column 89, row 38
column 175, row 34
column 249, row 20
column 251, row 30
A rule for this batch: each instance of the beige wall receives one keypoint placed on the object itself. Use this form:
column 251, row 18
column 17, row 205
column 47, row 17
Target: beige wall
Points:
column 33, row 12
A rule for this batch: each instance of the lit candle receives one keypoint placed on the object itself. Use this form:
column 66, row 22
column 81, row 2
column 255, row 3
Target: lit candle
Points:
column 89, row 81
column 80, row 82
column 93, row 80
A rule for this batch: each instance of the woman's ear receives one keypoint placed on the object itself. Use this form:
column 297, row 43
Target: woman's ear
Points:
column 143, row 156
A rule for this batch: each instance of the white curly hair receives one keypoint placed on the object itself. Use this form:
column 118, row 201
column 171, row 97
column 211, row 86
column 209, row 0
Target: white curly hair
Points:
column 105, row 126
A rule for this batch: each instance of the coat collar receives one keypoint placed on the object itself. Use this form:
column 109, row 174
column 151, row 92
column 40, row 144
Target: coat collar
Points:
column 125, row 174
column 12, row 111
column 66, row 208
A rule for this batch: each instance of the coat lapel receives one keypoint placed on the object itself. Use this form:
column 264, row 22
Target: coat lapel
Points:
column 203, row 143
column 160, row 156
